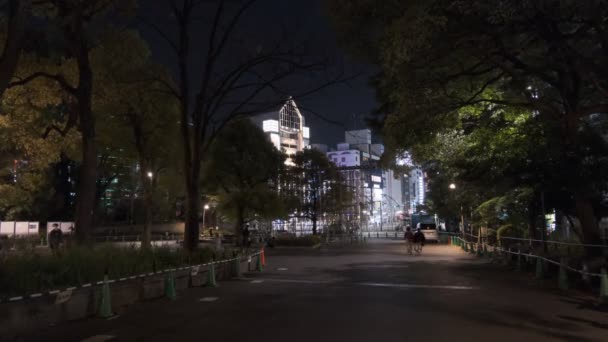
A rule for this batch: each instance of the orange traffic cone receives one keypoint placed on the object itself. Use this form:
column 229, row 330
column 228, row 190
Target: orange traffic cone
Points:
column 263, row 257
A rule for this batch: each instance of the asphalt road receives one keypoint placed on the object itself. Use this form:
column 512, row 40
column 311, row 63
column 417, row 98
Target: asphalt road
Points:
column 372, row 293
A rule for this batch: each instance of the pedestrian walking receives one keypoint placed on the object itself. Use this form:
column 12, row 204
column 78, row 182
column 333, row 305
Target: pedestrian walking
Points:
column 419, row 241
column 409, row 240
column 55, row 237
column 246, row 241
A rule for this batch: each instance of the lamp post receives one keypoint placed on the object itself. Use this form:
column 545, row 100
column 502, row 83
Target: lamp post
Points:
column 204, row 211
column 453, row 187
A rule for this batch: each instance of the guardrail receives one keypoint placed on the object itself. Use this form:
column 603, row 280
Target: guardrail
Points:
column 507, row 255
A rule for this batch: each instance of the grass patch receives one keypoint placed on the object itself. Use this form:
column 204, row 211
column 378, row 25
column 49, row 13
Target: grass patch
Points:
column 25, row 273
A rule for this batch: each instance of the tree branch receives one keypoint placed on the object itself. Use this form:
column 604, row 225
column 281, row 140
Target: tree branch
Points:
column 60, row 79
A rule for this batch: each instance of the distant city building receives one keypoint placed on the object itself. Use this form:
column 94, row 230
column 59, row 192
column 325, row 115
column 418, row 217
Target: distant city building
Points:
column 377, row 193
column 414, row 190
column 320, row 147
column 285, row 128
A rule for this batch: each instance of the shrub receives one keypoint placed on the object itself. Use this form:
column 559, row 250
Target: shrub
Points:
column 23, row 273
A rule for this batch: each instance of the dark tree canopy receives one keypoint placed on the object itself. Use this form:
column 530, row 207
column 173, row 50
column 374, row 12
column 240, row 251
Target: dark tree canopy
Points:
column 458, row 65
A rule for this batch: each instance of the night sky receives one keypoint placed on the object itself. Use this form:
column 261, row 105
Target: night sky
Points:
column 347, row 103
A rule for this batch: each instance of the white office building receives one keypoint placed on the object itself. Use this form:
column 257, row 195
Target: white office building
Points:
column 285, row 128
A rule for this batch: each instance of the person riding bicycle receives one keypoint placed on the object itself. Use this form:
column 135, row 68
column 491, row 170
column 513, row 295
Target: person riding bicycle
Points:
column 409, row 240
column 419, row 240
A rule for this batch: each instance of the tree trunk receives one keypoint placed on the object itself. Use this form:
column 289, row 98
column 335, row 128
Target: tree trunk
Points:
column 314, row 225
column 238, row 229
column 193, row 203
column 17, row 13
column 582, row 202
column 87, row 186
column 75, row 34
column 146, row 240
column 589, row 224
column 146, row 182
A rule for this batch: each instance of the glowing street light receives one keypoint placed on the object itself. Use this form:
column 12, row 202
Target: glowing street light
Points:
column 453, row 187
column 205, row 208
column 150, row 174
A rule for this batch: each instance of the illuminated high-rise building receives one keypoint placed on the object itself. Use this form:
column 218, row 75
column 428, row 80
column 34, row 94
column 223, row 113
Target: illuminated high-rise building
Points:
column 285, row 128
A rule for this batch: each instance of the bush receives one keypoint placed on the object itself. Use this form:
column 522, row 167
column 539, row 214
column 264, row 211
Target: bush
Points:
column 300, row 241
column 25, row 273
column 509, row 230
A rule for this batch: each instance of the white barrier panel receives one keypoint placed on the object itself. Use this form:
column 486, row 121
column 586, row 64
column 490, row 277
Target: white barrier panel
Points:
column 33, row 228
column 26, row 228
column 66, row 227
column 7, row 228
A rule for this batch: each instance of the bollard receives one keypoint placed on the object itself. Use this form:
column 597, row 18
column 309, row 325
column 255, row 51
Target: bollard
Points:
column 604, row 287
column 586, row 278
column 259, row 266
column 466, row 247
column 479, row 251
column 105, row 306
column 539, row 268
column 506, row 257
column 170, row 286
column 237, row 267
column 519, row 260
column 263, row 257
column 563, row 275
column 211, row 281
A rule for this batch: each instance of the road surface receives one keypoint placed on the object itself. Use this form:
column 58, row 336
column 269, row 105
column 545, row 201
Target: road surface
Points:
column 371, row 293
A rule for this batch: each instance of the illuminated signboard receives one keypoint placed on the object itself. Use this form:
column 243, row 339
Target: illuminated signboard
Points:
column 270, row 126
column 376, row 179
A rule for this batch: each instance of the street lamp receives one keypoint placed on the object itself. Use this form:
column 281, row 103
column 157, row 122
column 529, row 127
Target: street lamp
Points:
column 204, row 210
column 453, row 187
column 150, row 174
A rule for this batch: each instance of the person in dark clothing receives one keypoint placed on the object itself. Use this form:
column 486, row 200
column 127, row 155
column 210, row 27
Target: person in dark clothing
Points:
column 409, row 240
column 246, row 241
column 55, row 237
column 419, row 240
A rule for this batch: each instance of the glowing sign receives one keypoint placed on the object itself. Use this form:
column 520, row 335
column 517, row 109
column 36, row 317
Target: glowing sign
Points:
column 270, row 126
column 376, row 179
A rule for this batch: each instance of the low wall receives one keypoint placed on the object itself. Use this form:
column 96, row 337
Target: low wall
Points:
column 28, row 314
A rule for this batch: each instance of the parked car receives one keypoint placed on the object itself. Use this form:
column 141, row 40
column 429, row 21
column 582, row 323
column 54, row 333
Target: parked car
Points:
column 429, row 231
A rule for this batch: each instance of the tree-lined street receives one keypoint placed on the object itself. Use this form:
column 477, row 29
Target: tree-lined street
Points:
column 358, row 293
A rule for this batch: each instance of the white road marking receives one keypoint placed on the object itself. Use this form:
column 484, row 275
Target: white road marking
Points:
column 99, row 338
column 258, row 281
column 420, row 286
column 282, row 269
column 208, row 299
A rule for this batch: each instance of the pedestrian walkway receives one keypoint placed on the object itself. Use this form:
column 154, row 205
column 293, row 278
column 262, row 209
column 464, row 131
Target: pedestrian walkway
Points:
column 363, row 293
